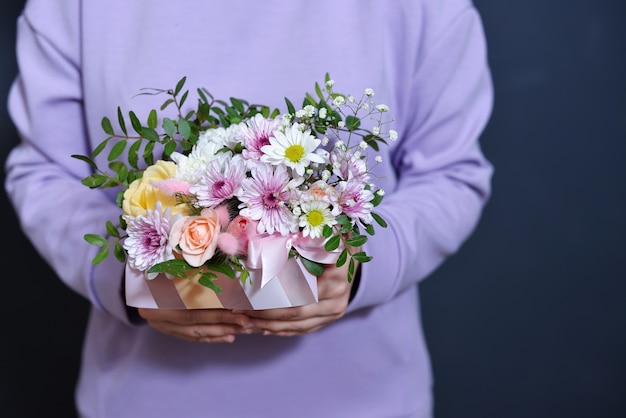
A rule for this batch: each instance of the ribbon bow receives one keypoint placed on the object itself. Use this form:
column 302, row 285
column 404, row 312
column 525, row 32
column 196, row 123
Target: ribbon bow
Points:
column 270, row 253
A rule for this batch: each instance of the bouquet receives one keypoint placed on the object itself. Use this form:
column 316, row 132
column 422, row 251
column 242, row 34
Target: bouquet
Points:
column 245, row 205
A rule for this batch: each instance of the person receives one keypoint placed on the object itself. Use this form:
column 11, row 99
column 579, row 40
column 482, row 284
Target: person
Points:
column 360, row 351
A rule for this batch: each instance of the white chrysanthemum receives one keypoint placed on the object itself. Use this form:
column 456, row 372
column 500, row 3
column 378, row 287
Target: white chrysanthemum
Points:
column 315, row 215
column 224, row 137
column 190, row 168
column 293, row 148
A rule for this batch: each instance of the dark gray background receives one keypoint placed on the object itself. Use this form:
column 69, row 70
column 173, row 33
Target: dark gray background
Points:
column 529, row 318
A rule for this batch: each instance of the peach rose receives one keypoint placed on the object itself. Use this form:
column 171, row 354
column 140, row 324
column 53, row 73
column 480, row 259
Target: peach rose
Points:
column 196, row 236
column 142, row 195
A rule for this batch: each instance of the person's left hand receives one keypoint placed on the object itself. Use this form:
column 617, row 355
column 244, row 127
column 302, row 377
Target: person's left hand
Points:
column 333, row 292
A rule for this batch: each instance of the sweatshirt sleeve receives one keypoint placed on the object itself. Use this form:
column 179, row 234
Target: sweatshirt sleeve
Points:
column 442, row 176
column 42, row 181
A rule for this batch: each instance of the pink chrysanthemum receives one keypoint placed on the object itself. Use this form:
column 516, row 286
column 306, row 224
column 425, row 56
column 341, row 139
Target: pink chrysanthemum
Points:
column 219, row 181
column 256, row 133
column 347, row 166
column 147, row 241
column 355, row 201
column 265, row 197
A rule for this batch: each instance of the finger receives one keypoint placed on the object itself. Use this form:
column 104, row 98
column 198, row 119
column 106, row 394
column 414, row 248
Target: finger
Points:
column 311, row 318
column 195, row 316
column 211, row 325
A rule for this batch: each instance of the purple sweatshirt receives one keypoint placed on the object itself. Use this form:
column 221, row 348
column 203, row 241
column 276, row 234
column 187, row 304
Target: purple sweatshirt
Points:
column 425, row 59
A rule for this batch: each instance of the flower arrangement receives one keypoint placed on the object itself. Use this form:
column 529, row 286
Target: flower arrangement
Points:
column 237, row 182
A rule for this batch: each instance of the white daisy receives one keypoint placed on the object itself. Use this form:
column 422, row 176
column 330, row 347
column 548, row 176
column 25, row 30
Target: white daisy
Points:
column 293, row 148
column 315, row 215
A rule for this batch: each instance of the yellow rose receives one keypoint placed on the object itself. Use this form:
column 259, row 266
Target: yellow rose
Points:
column 142, row 195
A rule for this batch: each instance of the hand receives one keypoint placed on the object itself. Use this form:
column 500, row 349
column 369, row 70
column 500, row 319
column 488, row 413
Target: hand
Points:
column 198, row 325
column 333, row 296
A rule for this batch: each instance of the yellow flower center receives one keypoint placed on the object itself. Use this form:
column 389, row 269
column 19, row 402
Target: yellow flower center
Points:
column 315, row 217
column 294, row 153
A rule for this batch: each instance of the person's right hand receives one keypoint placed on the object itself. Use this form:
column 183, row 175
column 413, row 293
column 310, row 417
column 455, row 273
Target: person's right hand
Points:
column 198, row 325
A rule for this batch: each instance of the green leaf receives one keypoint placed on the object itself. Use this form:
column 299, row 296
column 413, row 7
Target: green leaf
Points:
column 150, row 134
column 166, row 103
column 202, row 96
column 225, row 269
column 333, row 243
column 97, row 240
column 102, row 145
column 119, row 253
column 361, row 257
column 86, row 159
column 314, row 268
column 352, row 122
column 243, row 276
column 376, row 200
column 238, row 105
column 357, row 240
column 369, row 228
column 175, row 267
column 121, row 173
column 309, row 100
column 94, row 180
column 134, row 120
column 343, row 220
column 327, row 231
column 112, row 229
column 184, row 128
column 341, row 260
column 133, row 154
column 206, row 279
column 169, row 148
column 319, row 92
column 169, row 127
column 120, row 120
column 183, row 99
column 290, row 107
column 117, row 150
column 106, row 126
column 148, row 155
column 379, row 220
column 373, row 140
column 351, row 268
column 152, row 119
column 179, row 85
column 101, row 256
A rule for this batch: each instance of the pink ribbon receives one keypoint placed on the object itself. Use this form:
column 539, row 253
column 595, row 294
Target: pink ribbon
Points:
column 270, row 253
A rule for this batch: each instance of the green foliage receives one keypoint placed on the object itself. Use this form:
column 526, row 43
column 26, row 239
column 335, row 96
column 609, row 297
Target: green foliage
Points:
column 314, row 268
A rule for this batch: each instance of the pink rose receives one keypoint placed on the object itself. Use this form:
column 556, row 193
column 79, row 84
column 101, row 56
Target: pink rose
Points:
column 196, row 236
column 234, row 241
